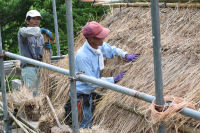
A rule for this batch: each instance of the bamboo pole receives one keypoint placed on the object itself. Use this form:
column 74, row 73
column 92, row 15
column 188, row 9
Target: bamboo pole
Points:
column 27, row 124
column 100, row 1
column 18, row 123
column 147, row 4
column 183, row 5
column 169, row 1
column 53, row 112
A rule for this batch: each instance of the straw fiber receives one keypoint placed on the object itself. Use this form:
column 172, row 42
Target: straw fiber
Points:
column 180, row 41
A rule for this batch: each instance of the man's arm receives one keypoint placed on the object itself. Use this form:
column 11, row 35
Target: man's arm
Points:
column 30, row 31
column 86, row 66
column 111, row 51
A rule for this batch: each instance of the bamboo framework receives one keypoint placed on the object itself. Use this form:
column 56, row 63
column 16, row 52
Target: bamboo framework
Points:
column 148, row 4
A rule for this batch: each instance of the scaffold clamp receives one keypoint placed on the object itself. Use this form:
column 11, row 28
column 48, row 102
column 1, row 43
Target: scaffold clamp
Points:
column 2, row 55
column 76, row 76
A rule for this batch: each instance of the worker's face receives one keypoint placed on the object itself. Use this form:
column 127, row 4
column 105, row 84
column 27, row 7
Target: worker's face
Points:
column 96, row 42
column 33, row 22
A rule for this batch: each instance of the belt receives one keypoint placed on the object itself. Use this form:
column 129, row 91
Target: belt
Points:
column 29, row 65
column 83, row 95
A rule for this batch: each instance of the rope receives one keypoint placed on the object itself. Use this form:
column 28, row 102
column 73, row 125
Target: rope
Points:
column 172, row 105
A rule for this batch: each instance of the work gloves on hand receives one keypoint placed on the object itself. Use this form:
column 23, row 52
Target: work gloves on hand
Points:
column 47, row 45
column 131, row 57
column 47, row 32
column 119, row 77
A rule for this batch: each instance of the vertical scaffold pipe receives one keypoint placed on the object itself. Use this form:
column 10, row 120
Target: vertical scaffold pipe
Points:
column 157, row 57
column 56, row 27
column 3, row 88
column 70, row 38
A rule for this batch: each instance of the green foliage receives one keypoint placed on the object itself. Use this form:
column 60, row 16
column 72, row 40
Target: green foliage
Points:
column 12, row 15
column 8, row 83
column 13, row 12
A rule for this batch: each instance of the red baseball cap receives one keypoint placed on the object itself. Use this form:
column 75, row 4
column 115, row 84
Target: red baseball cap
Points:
column 94, row 29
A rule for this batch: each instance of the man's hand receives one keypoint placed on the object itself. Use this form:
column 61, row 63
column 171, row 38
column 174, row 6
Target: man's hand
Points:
column 119, row 77
column 47, row 32
column 131, row 57
column 47, row 45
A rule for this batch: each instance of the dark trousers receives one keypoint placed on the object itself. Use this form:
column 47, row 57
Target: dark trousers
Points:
column 84, row 103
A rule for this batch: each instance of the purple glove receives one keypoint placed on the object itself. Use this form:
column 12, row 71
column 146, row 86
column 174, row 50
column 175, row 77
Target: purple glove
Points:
column 131, row 57
column 119, row 77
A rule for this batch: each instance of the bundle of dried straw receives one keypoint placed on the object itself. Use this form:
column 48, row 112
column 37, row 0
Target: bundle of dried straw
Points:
column 131, row 31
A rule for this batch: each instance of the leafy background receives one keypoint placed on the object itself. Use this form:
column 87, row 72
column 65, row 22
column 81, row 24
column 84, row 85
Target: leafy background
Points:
column 13, row 12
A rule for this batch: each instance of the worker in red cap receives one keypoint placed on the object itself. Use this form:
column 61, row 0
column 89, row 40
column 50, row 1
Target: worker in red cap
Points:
column 90, row 59
column 31, row 44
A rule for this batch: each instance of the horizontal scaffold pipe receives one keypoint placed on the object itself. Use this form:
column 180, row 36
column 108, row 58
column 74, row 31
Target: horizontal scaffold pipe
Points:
column 147, row 4
column 148, row 98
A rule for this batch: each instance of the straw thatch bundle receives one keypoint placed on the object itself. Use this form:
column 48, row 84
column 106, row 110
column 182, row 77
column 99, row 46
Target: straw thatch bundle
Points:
column 44, row 73
column 131, row 31
column 59, row 86
column 25, row 104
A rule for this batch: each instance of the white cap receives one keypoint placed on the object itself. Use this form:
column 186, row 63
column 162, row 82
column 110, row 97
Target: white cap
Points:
column 33, row 13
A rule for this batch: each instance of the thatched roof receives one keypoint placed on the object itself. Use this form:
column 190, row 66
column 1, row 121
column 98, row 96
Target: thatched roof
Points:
column 131, row 31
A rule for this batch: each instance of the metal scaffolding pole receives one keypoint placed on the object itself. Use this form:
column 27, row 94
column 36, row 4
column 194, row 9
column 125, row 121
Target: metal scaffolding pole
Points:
column 145, row 97
column 56, row 27
column 70, row 38
column 3, row 89
column 157, row 59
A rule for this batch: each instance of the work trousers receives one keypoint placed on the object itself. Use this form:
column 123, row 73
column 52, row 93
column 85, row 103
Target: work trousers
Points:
column 84, row 103
column 31, row 78
column 87, row 110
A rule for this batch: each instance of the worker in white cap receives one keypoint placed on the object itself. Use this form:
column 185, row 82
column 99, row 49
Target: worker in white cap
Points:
column 31, row 44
